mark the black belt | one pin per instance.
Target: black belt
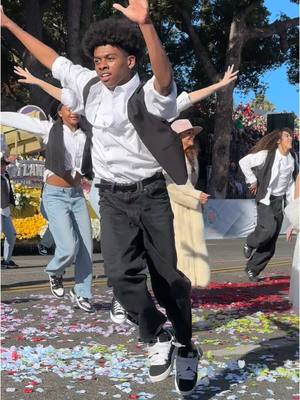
(131, 187)
(272, 197)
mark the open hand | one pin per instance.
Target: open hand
(137, 11)
(25, 74)
(229, 76)
(253, 188)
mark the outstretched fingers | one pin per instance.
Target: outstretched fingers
(27, 77)
(137, 11)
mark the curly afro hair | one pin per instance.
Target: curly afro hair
(118, 32)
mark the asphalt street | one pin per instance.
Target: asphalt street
(247, 331)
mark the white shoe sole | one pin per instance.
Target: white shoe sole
(76, 303)
(185, 393)
(167, 372)
(117, 320)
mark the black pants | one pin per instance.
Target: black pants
(138, 225)
(264, 237)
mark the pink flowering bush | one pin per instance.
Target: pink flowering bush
(246, 118)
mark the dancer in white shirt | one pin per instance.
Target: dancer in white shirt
(130, 146)
(63, 200)
(184, 101)
(270, 171)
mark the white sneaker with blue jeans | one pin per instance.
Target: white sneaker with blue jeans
(70, 225)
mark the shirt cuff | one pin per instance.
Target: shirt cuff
(58, 66)
(250, 181)
(162, 106)
(183, 102)
(171, 96)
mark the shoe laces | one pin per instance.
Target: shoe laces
(158, 353)
(84, 299)
(117, 308)
(56, 281)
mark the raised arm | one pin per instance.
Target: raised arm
(44, 54)
(65, 96)
(138, 12)
(28, 78)
(24, 122)
(201, 94)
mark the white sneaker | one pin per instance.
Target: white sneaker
(81, 302)
(56, 285)
(161, 355)
(117, 312)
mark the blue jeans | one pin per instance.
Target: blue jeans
(47, 239)
(70, 225)
(10, 237)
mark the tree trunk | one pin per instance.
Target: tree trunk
(221, 146)
(223, 116)
(73, 28)
(35, 27)
(86, 16)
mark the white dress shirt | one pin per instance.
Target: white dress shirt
(74, 141)
(281, 181)
(118, 153)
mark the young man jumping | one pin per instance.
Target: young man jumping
(130, 145)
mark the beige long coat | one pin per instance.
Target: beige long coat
(189, 229)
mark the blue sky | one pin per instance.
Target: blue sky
(283, 95)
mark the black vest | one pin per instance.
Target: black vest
(55, 148)
(156, 134)
(263, 174)
(7, 194)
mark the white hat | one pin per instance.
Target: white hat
(183, 125)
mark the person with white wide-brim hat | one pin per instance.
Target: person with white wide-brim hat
(187, 203)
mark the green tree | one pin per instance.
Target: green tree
(209, 35)
(262, 103)
(202, 38)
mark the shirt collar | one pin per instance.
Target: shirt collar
(69, 131)
(280, 156)
(288, 157)
(128, 87)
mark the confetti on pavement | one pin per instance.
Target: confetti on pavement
(45, 335)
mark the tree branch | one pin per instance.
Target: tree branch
(200, 50)
(243, 13)
(277, 27)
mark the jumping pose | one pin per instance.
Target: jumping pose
(130, 145)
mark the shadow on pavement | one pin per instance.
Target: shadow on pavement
(270, 355)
